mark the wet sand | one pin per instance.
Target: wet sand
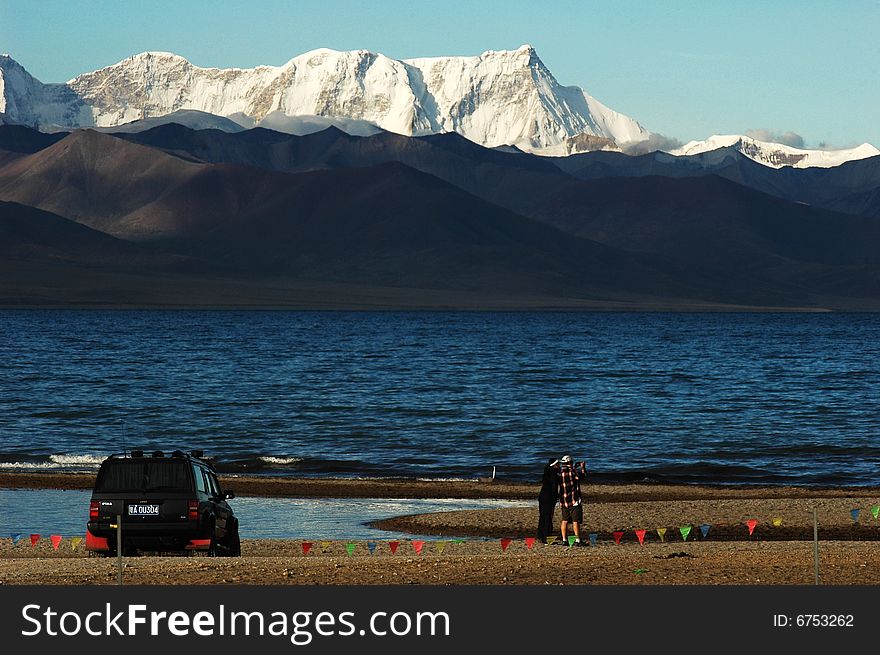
(780, 553)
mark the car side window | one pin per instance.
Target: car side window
(201, 484)
(215, 483)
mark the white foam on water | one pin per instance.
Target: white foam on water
(57, 462)
(270, 459)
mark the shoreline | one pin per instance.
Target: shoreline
(479, 488)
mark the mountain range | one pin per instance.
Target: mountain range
(171, 215)
(496, 99)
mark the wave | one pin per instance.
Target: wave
(274, 459)
(54, 462)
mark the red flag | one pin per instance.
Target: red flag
(417, 544)
(307, 546)
(751, 523)
(393, 546)
(34, 539)
(530, 541)
(505, 543)
(641, 536)
(56, 540)
(618, 535)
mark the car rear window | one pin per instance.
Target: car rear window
(144, 476)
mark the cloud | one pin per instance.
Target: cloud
(652, 143)
(792, 139)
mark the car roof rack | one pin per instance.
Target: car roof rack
(138, 453)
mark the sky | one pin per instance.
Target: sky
(800, 70)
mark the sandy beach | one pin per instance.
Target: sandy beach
(779, 551)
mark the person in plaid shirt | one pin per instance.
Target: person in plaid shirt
(570, 477)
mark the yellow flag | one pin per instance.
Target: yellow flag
(662, 533)
(777, 522)
(325, 546)
(550, 540)
(74, 542)
(440, 546)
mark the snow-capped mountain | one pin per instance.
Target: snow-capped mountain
(497, 98)
(777, 155)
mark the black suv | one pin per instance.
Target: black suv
(165, 503)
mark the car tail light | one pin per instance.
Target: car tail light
(93, 510)
(193, 513)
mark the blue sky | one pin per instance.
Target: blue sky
(684, 69)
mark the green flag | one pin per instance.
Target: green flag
(571, 539)
(349, 548)
(458, 541)
(875, 510)
(685, 531)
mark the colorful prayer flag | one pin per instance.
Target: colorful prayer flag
(854, 513)
(640, 535)
(16, 537)
(306, 546)
(417, 544)
(751, 523)
(704, 529)
(458, 541)
(571, 540)
(685, 531)
(875, 511)
(662, 533)
(551, 540)
(530, 541)
(75, 542)
(56, 540)
(325, 546)
(34, 539)
(618, 535)
(393, 546)
(441, 546)
(505, 542)
(349, 548)
(594, 537)
(777, 522)
(371, 546)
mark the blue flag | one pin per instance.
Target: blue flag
(15, 537)
(855, 514)
(371, 545)
(705, 529)
(593, 538)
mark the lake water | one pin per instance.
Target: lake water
(52, 511)
(730, 398)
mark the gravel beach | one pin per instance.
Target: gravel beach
(779, 550)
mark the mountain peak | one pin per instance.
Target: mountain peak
(777, 155)
(156, 54)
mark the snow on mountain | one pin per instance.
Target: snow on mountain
(777, 155)
(497, 98)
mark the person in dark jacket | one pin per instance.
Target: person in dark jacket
(547, 500)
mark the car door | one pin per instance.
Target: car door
(222, 511)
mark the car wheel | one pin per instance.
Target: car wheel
(234, 549)
(212, 549)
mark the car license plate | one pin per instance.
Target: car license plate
(143, 510)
